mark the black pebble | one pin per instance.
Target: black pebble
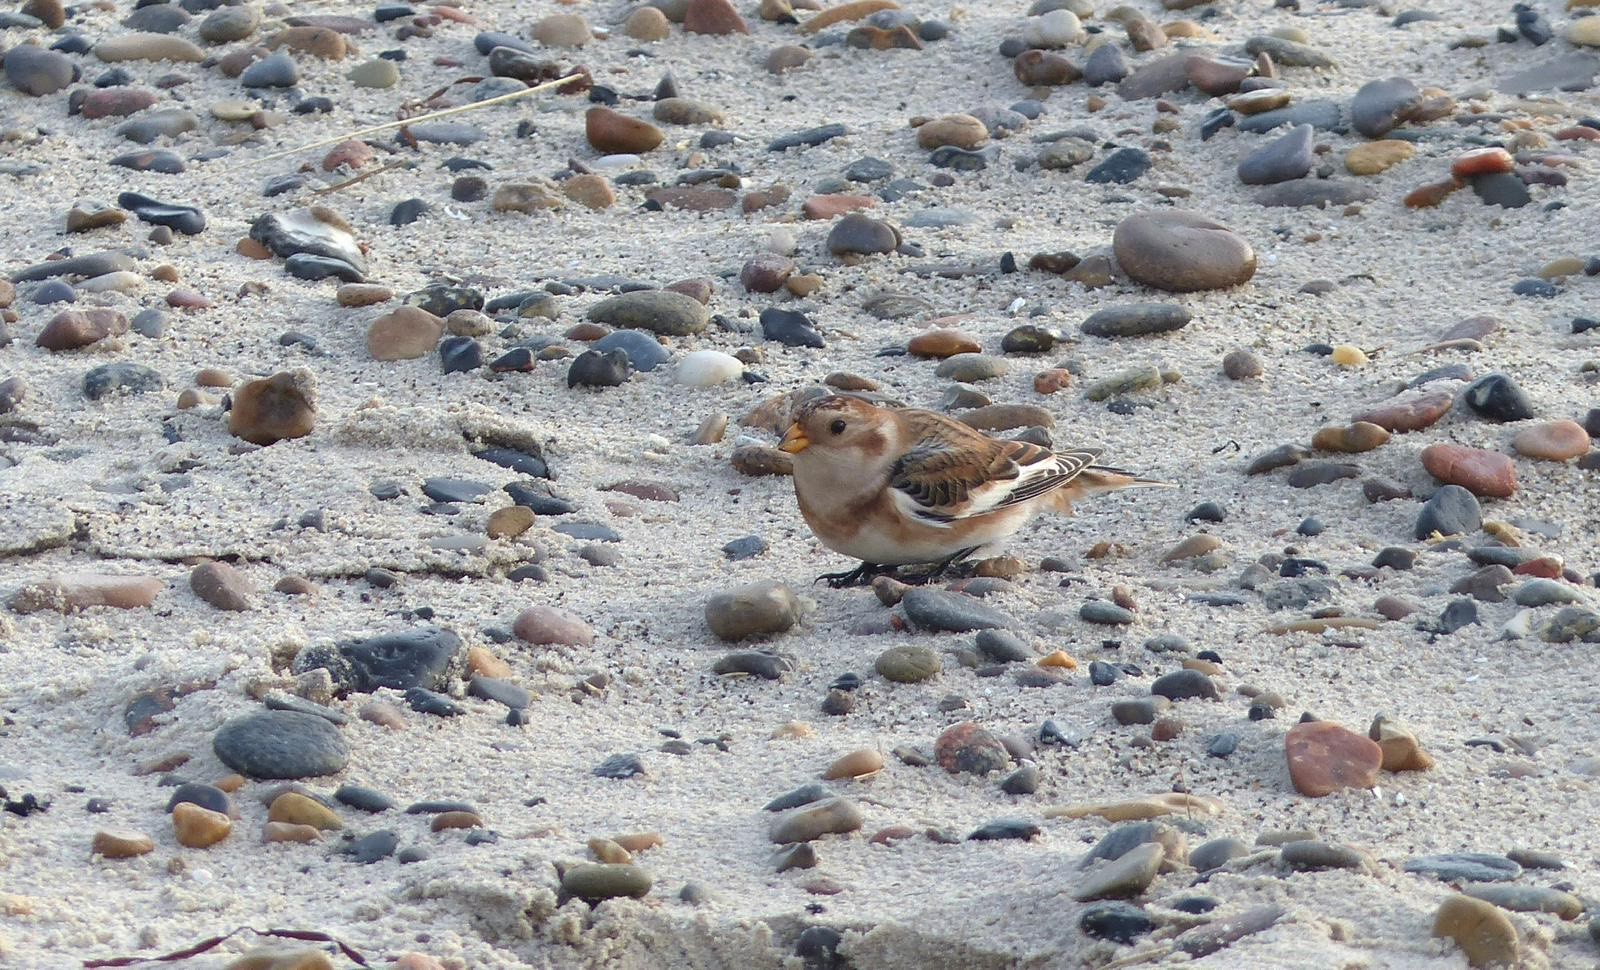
(619, 766)
(1206, 512)
(594, 369)
(407, 212)
(363, 799)
(457, 355)
(425, 701)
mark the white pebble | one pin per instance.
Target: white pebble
(780, 240)
(614, 161)
(1058, 28)
(704, 368)
(655, 442)
(121, 281)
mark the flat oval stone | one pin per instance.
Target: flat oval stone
(1483, 473)
(1411, 412)
(1284, 158)
(594, 882)
(857, 234)
(1379, 106)
(281, 744)
(659, 311)
(1465, 866)
(933, 609)
(756, 609)
(1552, 441)
(831, 816)
(1182, 251)
(1324, 758)
(1452, 510)
(907, 664)
(1136, 320)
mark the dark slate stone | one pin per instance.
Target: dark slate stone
(1184, 685)
(589, 531)
(1498, 398)
(521, 462)
(790, 328)
(281, 744)
(122, 377)
(208, 797)
(363, 799)
(1136, 320)
(408, 211)
(933, 609)
(1450, 511)
(1115, 920)
(747, 547)
(310, 266)
(619, 766)
(425, 701)
(1322, 115)
(1005, 828)
(804, 795)
(644, 351)
(1121, 167)
(499, 691)
(399, 661)
(811, 136)
(961, 159)
(373, 846)
(1465, 866)
(595, 369)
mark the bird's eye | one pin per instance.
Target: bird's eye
(837, 427)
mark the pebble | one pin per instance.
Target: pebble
(756, 609)
(645, 353)
(1117, 921)
(281, 744)
(1373, 158)
(547, 625)
(1182, 252)
(1136, 320)
(121, 843)
(404, 333)
(1123, 877)
(595, 882)
(1452, 510)
(1185, 685)
(1324, 758)
(1217, 853)
(660, 311)
(221, 585)
(76, 329)
(1287, 157)
(121, 377)
(907, 664)
(1311, 855)
(790, 328)
(275, 408)
(1482, 931)
(1483, 473)
(936, 610)
(1410, 412)
(1528, 899)
(830, 816)
(1498, 398)
(38, 72)
(858, 234)
(297, 809)
(1552, 441)
(199, 828)
(377, 73)
(611, 132)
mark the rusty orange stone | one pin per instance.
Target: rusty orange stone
(833, 206)
(1487, 474)
(1430, 195)
(1324, 758)
(943, 343)
(1412, 413)
(1482, 161)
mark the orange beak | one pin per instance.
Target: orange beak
(794, 440)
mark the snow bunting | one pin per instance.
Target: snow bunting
(894, 487)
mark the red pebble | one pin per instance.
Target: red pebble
(1545, 567)
(1578, 133)
(1430, 195)
(1481, 161)
(188, 299)
(1483, 473)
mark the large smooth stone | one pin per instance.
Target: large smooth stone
(1324, 758)
(659, 311)
(1182, 252)
(1483, 473)
(281, 744)
(1285, 157)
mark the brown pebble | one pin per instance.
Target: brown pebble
(1324, 758)
(76, 329)
(612, 132)
(295, 586)
(383, 713)
(300, 810)
(856, 764)
(1358, 437)
(1552, 441)
(1166, 729)
(1239, 365)
(356, 294)
(510, 522)
(275, 408)
(637, 842)
(484, 663)
(455, 820)
(121, 843)
(1483, 473)
(404, 333)
(199, 828)
(221, 585)
(715, 17)
(290, 832)
(963, 131)
(782, 60)
(942, 343)
(591, 191)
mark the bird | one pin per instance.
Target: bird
(901, 486)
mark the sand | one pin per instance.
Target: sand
(109, 493)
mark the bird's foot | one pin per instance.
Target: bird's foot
(859, 576)
(938, 570)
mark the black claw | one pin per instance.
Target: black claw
(859, 576)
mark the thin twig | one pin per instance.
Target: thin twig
(444, 113)
(403, 163)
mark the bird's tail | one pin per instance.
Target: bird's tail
(1097, 480)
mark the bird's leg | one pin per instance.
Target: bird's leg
(938, 569)
(859, 576)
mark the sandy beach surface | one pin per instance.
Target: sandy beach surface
(589, 617)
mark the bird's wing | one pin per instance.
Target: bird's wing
(948, 476)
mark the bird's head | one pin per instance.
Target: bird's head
(839, 428)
